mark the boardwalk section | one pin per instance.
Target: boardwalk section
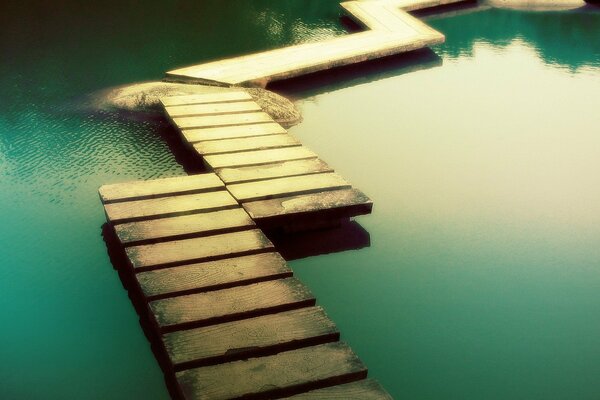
(279, 182)
(391, 30)
(230, 319)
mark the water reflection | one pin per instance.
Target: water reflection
(483, 264)
(349, 235)
(570, 39)
(566, 40)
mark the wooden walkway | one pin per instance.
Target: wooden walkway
(390, 30)
(232, 320)
(279, 182)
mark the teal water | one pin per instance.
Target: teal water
(483, 273)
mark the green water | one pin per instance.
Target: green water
(482, 276)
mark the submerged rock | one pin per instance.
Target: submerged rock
(144, 98)
(537, 5)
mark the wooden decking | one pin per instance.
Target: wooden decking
(390, 30)
(230, 318)
(279, 182)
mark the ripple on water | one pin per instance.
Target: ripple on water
(65, 151)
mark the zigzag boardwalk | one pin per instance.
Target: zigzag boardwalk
(232, 320)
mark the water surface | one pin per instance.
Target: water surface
(482, 276)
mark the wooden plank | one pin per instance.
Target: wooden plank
(218, 96)
(366, 389)
(285, 373)
(222, 120)
(274, 170)
(249, 337)
(232, 132)
(139, 190)
(288, 186)
(168, 206)
(212, 275)
(183, 226)
(259, 157)
(343, 203)
(231, 304)
(245, 144)
(184, 251)
(212, 109)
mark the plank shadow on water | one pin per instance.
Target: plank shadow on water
(348, 235)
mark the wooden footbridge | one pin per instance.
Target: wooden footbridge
(390, 30)
(231, 320)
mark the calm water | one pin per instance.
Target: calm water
(483, 273)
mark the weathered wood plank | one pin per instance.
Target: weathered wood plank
(222, 120)
(336, 203)
(232, 132)
(288, 186)
(130, 211)
(274, 170)
(183, 226)
(212, 109)
(218, 96)
(366, 389)
(249, 337)
(259, 157)
(212, 275)
(138, 190)
(231, 304)
(285, 373)
(208, 248)
(245, 144)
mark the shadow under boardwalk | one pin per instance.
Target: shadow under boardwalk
(348, 235)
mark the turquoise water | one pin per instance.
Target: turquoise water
(482, 276)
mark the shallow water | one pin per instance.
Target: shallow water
(482, 276)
